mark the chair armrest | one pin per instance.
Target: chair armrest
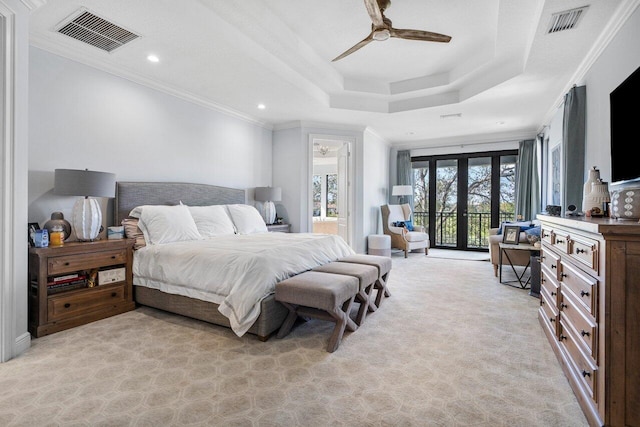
(397, 230)
(418, 228)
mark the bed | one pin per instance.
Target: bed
(227, 279)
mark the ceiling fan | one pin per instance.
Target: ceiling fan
(382, 29)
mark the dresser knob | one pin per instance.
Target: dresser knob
(563, 275)
(66, 263)
(67, 305)
(551, 319)
(562, 337)
(113, 294)
(563, 305)
(553, 294)
(559, 241)
(553, 266)
(586, 374)
(584, 333)
(580, 251)
(584, 293)
(113, 257)
(541, 302)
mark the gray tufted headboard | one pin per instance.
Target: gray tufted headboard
(132, 194)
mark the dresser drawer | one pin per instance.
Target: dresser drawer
(581, 364)
(549, 311)
(584, 327)
(546, 235)
(560, 241)
(549, 283)
(585, 251)
(73, 303)
(551, 261)
(72, 263)
(581, 285)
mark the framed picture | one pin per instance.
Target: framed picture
(33, 226)
(511, 234)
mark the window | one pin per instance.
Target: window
(332, 195)
(317, 195)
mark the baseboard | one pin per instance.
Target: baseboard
(22, 344)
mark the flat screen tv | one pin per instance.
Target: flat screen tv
(625, 132)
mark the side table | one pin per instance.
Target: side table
(519, 276)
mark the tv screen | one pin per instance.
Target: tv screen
(624, 130)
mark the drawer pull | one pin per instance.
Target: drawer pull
(584, 293)
(553, 294)
(580, 251)
(562, 337)
(67, 305)
(113, 257)
(553, 266)
(563, 275)
(586, 374)
(563, 305)
(558, 241)
(545, 235)
(584, 333)
(66, 263)
(113, 294)
(551, 319)
(541, 302)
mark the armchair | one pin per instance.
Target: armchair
(401, 238)
(518, 258)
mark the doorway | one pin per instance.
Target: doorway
(458, 198)
(330, 186)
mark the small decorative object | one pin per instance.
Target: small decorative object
(553, 210)
(594, 177)
(33, 227)
(532, 239)
(56, 235)
(87, 214)
(599, 195)
(625, 204)
(268, 195)
(115, 232)
(57, 219)
(511, 234)
(41, 238)
(91, 281)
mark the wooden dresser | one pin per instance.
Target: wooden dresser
(590, 312)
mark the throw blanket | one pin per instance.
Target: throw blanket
(235, 271)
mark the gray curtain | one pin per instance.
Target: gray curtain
(573, 146)
(527, 181)
(405, 175)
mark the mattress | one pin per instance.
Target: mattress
(234, 271)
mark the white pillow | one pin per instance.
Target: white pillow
(212, 220)
(166, 224)
(247, 219)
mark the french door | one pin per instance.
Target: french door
(458, 198)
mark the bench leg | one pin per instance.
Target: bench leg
(342, 322)
(364, 297)
(383, 290)
(288, 322)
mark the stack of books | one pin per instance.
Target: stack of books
(66, 283)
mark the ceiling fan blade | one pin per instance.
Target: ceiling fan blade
(357, 46)
(419, 35)
(374, 12)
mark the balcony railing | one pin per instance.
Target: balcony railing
(446, 226)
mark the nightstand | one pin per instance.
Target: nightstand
(60, 296)
(279, 228)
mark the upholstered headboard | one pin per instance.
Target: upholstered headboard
(132, 194)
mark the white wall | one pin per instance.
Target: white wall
(375, 175)
(620, 58)
(81, 117)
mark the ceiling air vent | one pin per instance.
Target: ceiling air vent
(566, 20)
(96, 31)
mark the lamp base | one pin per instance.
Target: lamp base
(269, 212)
(86, 219)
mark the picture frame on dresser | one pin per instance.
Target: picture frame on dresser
(511, 234)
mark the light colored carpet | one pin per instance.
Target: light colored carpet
(451, 347)
(455, 254)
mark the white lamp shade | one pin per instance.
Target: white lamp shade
(86, 218)
(402, 190)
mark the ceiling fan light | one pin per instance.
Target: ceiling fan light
(381, 35)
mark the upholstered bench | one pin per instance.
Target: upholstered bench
(323, 296)
(384, 268)
(366, 275)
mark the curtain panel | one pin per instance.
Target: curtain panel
(405, 173)
(573, 146)
(527, 181)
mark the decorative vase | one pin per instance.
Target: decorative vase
(599, 195)
(594, 177)
(625, 204)
(57, 220)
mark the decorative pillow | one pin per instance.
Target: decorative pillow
(166, 224)
(132, 231)
(247, 219)
(409, 225)
(212, 220)
(524, 225)
(533, 231)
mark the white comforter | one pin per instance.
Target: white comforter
(235, 271)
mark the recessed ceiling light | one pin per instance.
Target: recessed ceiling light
(153, 58)
(261, 106)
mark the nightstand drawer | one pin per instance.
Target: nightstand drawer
(71, 263)
(66, 306)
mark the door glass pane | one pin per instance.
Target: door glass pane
(446, 202)
(421, 194)
(479, 202)
(332, 195)
(507, 188)
(317, 195)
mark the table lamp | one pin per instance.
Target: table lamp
(401, 191)
(86, 218)
(268, 195)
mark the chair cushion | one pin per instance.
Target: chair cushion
(416, 236)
